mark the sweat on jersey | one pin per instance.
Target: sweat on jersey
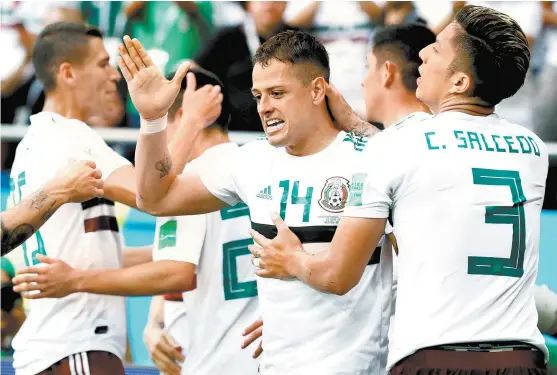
(466, 195)
(225, 300)
(84, 235)
(306, 331)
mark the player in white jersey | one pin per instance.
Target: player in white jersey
(465, 200)
(213, 245)
(302, 172)
(76, 183)
(83, 332)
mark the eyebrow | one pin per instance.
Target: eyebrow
(268, 88)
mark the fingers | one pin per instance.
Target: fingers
(191, 82)
(260, 239)
(145, 58)
(130, 65)
(28, 278)
(252, 327)
(124, 68)
(32, 269)
(279, 223)
(258, 351)
(132, 52)
(262, 272)
(97, 173)
(45, 259)
(165, 364)
(90, 163)
(23, 285)
(173, 350)
(181, 73)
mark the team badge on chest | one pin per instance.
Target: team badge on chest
(334, 194)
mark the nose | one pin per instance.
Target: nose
(115, 74)
(264, 107)
(423, 54)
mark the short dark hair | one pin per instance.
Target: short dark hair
(297, 48)
(204, 77)
(494, 50)
(58, 43)
(402, 44)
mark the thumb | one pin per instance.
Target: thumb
(90, 163)
(181, 73)
(45, 259)
(191, 82)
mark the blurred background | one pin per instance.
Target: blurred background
(221, 37)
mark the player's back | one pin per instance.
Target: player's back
(83, 235)
(466, 214)
(225, 300)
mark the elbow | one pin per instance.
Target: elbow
(183, 281)
(152, 208)
(339, 284)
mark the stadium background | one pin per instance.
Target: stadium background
(188, 31)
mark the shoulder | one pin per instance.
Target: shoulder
(258, 145)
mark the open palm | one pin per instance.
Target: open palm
(151, 93)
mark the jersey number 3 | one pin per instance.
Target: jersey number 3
(513, 266)
(39, 248)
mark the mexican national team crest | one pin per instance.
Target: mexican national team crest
(334, 194)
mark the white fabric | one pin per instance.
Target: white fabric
(56, 328)
(225, 300)
(551, 42)
(176, 323)
(441, 221)
(307, 331)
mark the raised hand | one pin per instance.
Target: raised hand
(151, 93)
(277, 257)
(203, 104)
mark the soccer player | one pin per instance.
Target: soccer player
(474, 180)
(83, 332)
(208, 251)
(76, 183)
(302, 173)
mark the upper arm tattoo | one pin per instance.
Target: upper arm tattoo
(164, 166)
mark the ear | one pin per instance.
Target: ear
(318, 90)
(388, 73)
(66, 74)
(461, 83)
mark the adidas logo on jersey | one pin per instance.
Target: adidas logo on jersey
(265, 193)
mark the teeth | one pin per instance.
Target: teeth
(273, 122)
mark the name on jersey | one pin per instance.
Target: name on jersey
(512, 144)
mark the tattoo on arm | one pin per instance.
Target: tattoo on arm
(39, 199)
(13, 238)
(364, 128)
(49, 212)
(164, 166)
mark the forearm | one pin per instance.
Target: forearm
(165, 276)
(134, 256)
(315, 270)
(156, 311)
(22, 221)
(181, 144)
(155, 172)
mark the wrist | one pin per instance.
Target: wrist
(77, 280)
(58, 193)
(152, 126)
(296, 263)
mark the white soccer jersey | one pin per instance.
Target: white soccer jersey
(306, 331)
(83, 235)
(466, 196)
(225, 300)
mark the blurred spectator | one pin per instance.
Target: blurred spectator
(170, 31)
(544, 116)
(345, 29)
(400, 12)
(229, 54)
(227, 13)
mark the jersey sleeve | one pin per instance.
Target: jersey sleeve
(217, 169)
(91, 146)
(180, 238)
(371, 190)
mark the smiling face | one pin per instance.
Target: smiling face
(436, 79)
(284, 102)
(95, 79)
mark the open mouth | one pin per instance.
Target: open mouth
(274, 125)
